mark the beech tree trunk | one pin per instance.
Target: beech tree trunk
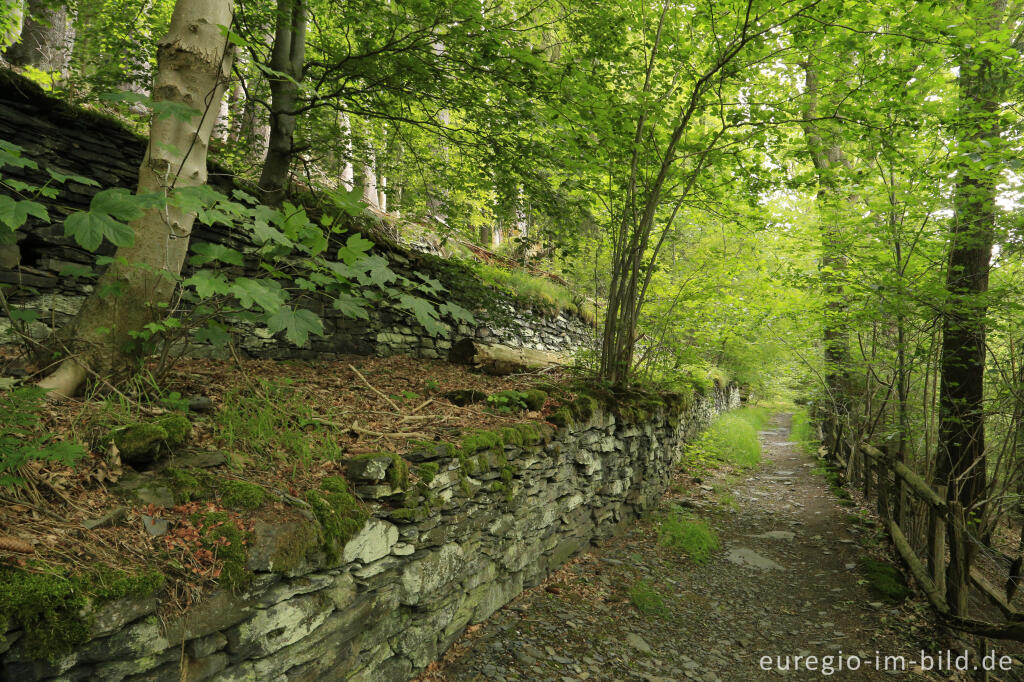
(47, 36)
(288, 57)
(193, 69)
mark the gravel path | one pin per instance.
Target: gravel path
(786, 580)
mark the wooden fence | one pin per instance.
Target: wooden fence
(945, 580)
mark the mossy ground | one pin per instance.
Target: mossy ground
(885, 579)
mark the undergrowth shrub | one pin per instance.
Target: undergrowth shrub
(732, 439)
(802, 431)
(682, 532)
(23, 438)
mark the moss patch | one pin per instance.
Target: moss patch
(137, 440)
(219, 534)
(339, 513)
(188, 485)
(56, 609)
(241, 494)
(884, 579)
(427, 471)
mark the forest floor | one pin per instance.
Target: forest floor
(787, 580)
(283, 426)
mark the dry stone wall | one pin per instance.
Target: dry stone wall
(76, 142)
(412, 580)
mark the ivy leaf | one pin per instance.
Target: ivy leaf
(355, 247)
(262, 293)
(14, 212)
(206, 253)
(424, 310)
(208, 283)
(297, 324)
(350, 306)
(10, 155)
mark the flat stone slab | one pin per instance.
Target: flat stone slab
(777, 535)
(748, 557)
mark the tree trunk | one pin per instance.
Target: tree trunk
(500, 360)
(47, 36)
(288, 57)
(193, 69)
(961, 463)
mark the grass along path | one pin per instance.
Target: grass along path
(787, 578)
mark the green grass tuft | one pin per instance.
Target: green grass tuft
(647, 600)
(803, 432)
(685, 534)
(732, 438)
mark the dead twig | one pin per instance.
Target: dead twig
(355, 428)
(374, 389)
(421, 406)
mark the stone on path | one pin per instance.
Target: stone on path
(748, 557)
(637, 642)
(777, 535)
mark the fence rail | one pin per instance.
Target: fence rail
(945, 583)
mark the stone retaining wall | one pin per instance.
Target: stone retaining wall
(501, 520)
(76, 142)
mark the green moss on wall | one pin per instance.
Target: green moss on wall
(56, 609)
(339, 513)
(242, 494)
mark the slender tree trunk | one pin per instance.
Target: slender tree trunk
(827, 158)
(193, 69)
(288, 57)
(47, 36)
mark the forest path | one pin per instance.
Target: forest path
(786, 581)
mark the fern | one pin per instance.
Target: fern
(22, 439)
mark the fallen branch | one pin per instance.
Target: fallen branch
(374, 389)
(379, 434)
(422, 405)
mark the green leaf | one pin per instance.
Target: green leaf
(80, 179)
(24, 315)
(457, 312)
(119, 204)
(168, 109)
(213, 333)
(297, 324)
(206, 253)
(72, 270)
(14, 212)
(266, 294)
(424, 310)
(90, 228)
(350, 306)
(208, 283)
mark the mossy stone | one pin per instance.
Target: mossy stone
(56, 609)
(219, 534)
(534, 398)
(339, 513)
(242, 494)
(139, 444)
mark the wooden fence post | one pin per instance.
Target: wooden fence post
(882, 471)
(937, 544)
(959, 563)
